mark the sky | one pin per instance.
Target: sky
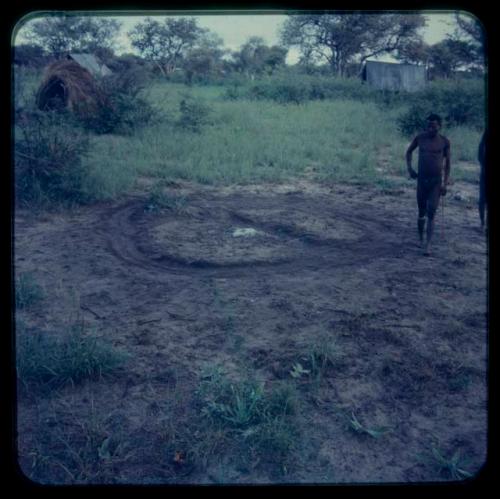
(236, 29)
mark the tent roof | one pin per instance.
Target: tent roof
(91, 63)
(390, 64)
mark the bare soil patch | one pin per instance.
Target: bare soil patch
(178, 290)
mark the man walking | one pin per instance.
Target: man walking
(433, 158)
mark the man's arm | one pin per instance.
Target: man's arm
(409, 151)
(481, 150)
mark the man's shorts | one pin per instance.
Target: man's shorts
(428, 193)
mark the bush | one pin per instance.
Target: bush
(49, 149)
(288, 87)
(459, 102)
(284, 92)
(413, 120)
(195, 114)
(124, 109)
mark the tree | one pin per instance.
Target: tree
(205, 58)
(127, 62)
(256, 58)
(469, 29)
(29, 55)
(340, 39)
(449, 55)
(60, 34)
(165, 43)
(274, 57)
(414, 52)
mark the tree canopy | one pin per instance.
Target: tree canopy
(165, 43)
(58, 35)
(256, 58)
(464, 49)
(341, 39)
(205, 57)
(470, 30)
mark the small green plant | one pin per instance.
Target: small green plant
(298, 371)
(322, 353)
(258, 421)
(28, 291)
(452, 467)
(359, 428)
(237, 404)
(243, 405)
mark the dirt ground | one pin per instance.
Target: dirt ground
(337, 260)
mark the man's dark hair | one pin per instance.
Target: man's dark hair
(434, 117)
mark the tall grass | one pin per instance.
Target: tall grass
(345, 135)
(47, 361)
(464, 143)
(25, 84)
(28, 291)
(260, 141)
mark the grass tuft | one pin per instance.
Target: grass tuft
(46, 360)
(259, 420)
(28, 291)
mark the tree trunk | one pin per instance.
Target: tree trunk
(160, 67)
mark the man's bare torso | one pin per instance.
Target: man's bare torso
(431, 153)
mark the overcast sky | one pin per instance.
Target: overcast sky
(236, 29)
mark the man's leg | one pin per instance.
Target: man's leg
(430, 232)
(421, 227)
(432, 206)
(422, 209)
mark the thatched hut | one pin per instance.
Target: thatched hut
(68, 85)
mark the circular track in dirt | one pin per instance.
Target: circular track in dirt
(232, 236)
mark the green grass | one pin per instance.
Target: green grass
(28, 291)
(464, 143)
(255, 420)
(110, 166)
(46, 360)
(246, 141)
(92, 449)
(322, 354)
(262, 141)
(159, 201)
(464, 147)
